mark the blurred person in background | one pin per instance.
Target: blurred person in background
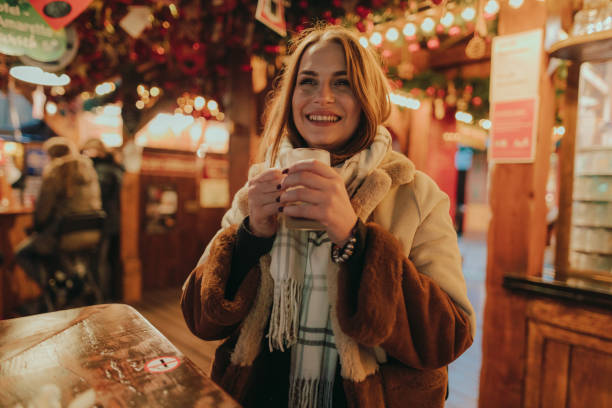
(110, 177)
(69, 186)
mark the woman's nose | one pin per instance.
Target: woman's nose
(326, 94)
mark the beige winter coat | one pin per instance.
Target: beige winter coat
(410, 318)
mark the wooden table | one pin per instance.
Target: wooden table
(98, 356)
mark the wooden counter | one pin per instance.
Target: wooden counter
(103, 355)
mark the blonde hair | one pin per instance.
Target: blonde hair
(367, 81)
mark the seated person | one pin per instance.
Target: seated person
(69, 186)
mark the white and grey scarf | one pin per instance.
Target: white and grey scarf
(300, 318)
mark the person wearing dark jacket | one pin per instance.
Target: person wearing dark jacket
(110, 177)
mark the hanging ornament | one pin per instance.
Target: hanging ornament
(437, 2)
(477, 46)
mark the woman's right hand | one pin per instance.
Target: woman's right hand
(263, 196)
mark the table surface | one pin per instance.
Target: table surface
(98, 356)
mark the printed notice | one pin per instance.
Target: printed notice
(515, 76)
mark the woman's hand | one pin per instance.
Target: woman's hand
(263, 197)
(322, 196)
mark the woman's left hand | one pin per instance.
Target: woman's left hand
(322, 196)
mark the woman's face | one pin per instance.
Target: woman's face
(325, 110)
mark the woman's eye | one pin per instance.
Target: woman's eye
(342, 82)
(306, 81)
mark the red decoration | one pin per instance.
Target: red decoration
(477, 101)
(430, 91)
(59, 14)
(433, 43)
(437, 2)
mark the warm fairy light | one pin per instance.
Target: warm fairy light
(154, 91)
(464, 117)
(112, 110)
(454, 30)
(414, 47)
(433, 43)
(58, 90)
(448, 19)
(85, 95)
(428, 24)
(485, 123)
(173, 10)
(515, 3)
(376, 39)
(212, 105)
(51, 108)
(198, 103)
(392, 34)
(220, 116)
(188, 109)
(492, 7)
(140, 104)
(559, 130)
(105, 88)
(363, 41)
(140, 89)
(409, 30)
(10, 147)
(468, 13)
(166, 25)
(404, 101)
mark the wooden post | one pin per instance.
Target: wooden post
(516, 237)
(241, 111)
(130, 228)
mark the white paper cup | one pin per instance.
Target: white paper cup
(290, 158)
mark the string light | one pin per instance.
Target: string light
(363, 41)
(448, 19)
(392, 34)
(485, 123)
(198, 103)
(376, 39)
(515, 3)
(464, 117)
(212, 105)
(51, 108)
(492, 7)
(404, 101)
(409, 30)
(428, 24)
(468, 13)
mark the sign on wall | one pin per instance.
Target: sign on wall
(24, 32)
(514, 94)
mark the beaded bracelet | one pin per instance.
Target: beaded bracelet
(340, 255)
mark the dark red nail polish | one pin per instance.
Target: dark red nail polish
(278, 187)
(280, 209)
(285, 171)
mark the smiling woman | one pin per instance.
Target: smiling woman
(367, 308)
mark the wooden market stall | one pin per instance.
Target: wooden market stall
(546, 337)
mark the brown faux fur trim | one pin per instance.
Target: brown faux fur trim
(207, 312)
(367, 393)
(400, 309)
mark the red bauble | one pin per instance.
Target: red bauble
(477, 101)
(437, 2)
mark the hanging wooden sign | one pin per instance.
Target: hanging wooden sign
(24, 32)
(272, 14)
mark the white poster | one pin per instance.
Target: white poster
(514, 93)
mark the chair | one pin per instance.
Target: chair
(73, 272)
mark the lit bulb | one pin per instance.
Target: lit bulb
(51, 108)
(492, 7)
(392, 34)
(212, 105)
(363, 41)
(469, 13)
(515, 3)
(376, 39)
(428, 24)
(154, 91)
(198, 102)
(447, 19)
(409, 30)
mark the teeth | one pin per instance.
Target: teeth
(323, 118)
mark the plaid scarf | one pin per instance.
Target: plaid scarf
(300, 266)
